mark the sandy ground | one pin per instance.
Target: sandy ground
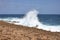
(19, 32)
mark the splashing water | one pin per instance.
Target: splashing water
(31, 20)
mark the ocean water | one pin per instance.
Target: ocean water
(49, 22)
(46, 19)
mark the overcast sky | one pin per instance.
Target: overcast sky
(23, 6)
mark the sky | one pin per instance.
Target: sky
(23, 6)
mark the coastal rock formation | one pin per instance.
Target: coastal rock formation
(19, 32)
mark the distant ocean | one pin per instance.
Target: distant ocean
(46, 19)
(49, 22)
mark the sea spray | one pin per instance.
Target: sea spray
(31, 20)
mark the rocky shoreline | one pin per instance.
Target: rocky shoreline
(19, 32)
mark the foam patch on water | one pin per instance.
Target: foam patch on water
(31, 20)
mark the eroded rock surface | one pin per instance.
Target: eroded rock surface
(19, 32)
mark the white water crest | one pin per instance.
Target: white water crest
(31, 20)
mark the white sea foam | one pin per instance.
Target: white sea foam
(31, 20)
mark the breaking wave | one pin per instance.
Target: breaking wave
(31, 20)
